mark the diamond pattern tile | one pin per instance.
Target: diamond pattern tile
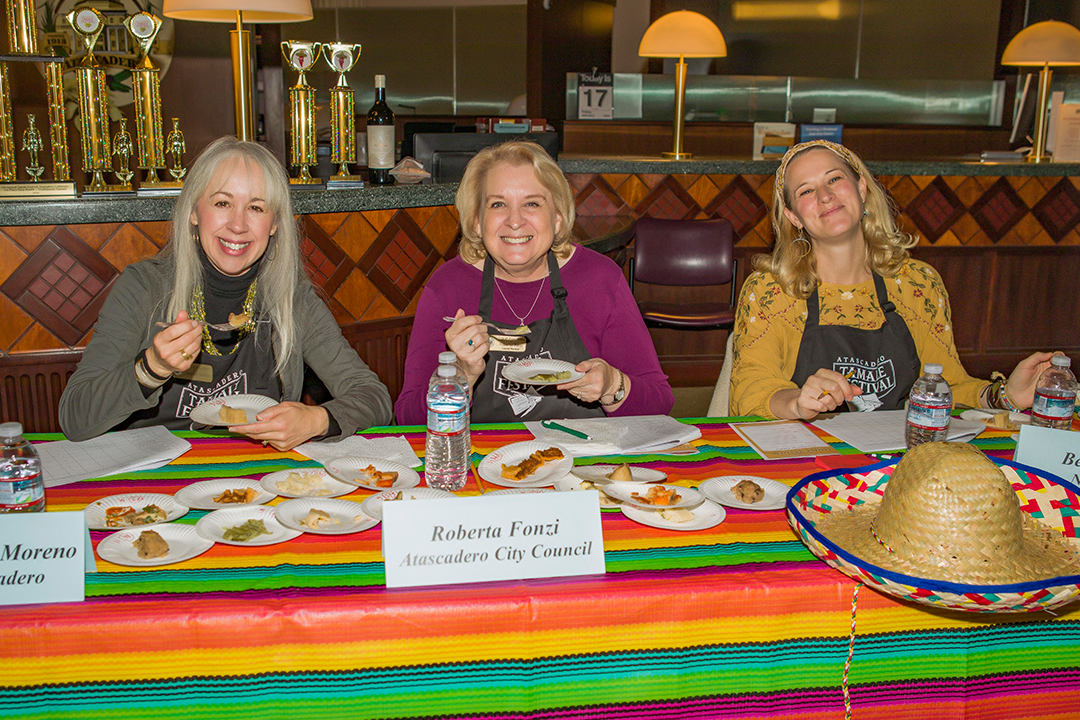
(740, 204)
(326, 264)
(1059, 210)
(62, 285)
(934, 209)
(668, 200)
(998, 210)
(400, 260)
(598, 198)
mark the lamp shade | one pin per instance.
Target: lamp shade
(254, 11)
(683, 33)
(1045, 43)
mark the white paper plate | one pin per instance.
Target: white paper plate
(706, 515)
(328, 486)
(985, 416)
(349, 515)
(207, 413)
(625, 492)
(522, 370)
(95, 511)
(213, 526)
(373, 505)
(184, 544)
(490, 468)
(718, 489)
(572, 483)
(348, 470)
(599, 473)
(518, 491)
(201, 495)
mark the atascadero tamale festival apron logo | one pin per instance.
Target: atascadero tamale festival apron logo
(116, 50)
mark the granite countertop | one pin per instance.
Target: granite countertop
(87, 210)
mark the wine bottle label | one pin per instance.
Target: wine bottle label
(380, 146)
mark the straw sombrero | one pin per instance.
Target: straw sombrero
(949, 527)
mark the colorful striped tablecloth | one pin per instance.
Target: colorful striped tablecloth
(739, 621)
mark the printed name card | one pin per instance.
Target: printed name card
(1055, 451)
(502, 537)
(43, 558)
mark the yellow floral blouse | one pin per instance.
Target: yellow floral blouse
(769, 326)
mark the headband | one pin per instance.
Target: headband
(839, 150)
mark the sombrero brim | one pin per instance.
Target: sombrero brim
(827, 491)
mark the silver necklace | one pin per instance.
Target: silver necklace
(521, 318)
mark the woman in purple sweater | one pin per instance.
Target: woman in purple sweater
(518, 266)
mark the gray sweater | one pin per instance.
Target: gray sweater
(103, 392)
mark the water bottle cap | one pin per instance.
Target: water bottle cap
(10, 430)
(1060, 361)
(932, 368)
(447, 371)
(447, 358)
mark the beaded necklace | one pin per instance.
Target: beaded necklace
(198, 314)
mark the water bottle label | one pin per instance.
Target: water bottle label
(933, 416)
(447, 422)
(1048, 407)
(14, 494)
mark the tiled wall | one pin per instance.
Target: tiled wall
(372, 265)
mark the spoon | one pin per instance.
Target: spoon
(523, 330)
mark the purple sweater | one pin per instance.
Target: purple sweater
(604, 312)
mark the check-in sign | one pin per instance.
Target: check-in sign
(504, 537)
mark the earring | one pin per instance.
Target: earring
(804, 239)
(271, 249)
(865, 213)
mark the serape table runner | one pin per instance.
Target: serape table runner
(738, 621)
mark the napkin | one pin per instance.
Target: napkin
(395, 449)
(604, 436)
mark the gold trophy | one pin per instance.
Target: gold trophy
(22, 39)
(122, 148)
(32, 143)
(301, 57)
(54, 82)
(341, 58)
(146, 88)
(177, 148)
(88, 23)
(9, 171)
(22, 27)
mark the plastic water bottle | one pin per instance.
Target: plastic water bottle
(448, 449)
(22, 489)
(449, 357)
(1055, 395)
(929, 406)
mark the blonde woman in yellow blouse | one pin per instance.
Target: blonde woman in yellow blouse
(839, 312)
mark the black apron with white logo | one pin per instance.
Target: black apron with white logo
(496, 399)
(884, 361)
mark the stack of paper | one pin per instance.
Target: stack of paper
(392, 448)
(632, 435)
(66, 462)
(884, 430)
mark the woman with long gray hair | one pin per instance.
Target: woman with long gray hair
(234, 262)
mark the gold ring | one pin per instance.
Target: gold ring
(183, 354)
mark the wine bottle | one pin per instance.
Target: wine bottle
(381, 140)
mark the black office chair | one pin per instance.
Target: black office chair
(685, 253)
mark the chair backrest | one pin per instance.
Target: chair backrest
(720, 405)
(683, 252)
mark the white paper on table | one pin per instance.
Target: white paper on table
(782, 439)
(66, 462)
(629, 435)
(884, 430)
(393, 448)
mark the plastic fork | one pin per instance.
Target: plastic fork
(224, 327)
(523, 330)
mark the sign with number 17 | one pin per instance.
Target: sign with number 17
(595, 98)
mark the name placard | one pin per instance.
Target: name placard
(503, 537)
(1055, 451)
(43, 558)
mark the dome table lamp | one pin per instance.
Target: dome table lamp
(682, 34)
(1045, 44)
(241, 11)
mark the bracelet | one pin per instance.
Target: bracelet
(997, 396)
(147, 377)
(618, 395)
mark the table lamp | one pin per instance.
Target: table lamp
(682, 34)
(241, 11)
(1044, 45)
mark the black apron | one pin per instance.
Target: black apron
(884, 361)
(496, 399)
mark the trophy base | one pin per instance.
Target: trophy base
(36, 190)
(159, 188)
(344, 182)
(113, 190)
(305, 181)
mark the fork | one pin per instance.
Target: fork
(524, 330)
(224, 327)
